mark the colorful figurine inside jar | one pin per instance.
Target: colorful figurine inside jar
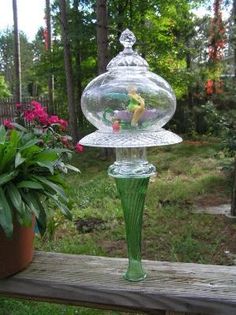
(136, 106)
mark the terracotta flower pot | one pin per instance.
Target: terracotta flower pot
(16, 253)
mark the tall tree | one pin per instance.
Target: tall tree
(217, 35)
(102, 46)
(77, 17)
(7, 67)
(233, 200)
(7, 63)
(48, 47)
(234, 22)
(68, 70)
(17, 54)
(102, 35)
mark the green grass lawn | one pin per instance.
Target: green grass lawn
(189, 175)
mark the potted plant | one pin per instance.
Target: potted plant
(31, 172)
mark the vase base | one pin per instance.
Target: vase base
(135, 271)
(131, 278)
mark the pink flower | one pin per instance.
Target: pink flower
(7, 123)
(53, 119)
(29, 115)
(37, 111)
(63, 123)
(65, 141)
(43, 117)
(37, 105)
(79, 148)
(18, 106)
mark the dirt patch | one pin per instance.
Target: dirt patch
(89, 225)
(211, 200)
(196, 143)
(115, 248)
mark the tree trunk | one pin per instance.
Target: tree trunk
(49, 49)
(102, 48)
(68, 70)
(17, 59)
(102, 35)
(188, 66)
(233, 201)
(234, 43)
(78, 75)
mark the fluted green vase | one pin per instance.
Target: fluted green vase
(132, 193)
(132, 172)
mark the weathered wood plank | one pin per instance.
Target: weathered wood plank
(97, 282)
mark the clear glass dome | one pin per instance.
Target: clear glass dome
(128, 104)
(128, 97)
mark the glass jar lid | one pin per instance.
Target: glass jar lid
(127, 57)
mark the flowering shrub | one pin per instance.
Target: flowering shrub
(214, 87)
(34, 158)
(49, 128)
(8, 124)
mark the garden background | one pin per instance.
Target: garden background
(197, 56)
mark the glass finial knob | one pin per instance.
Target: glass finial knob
(127, 38)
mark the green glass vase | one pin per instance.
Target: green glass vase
(132, 193)
(132, 172)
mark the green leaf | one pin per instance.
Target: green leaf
(47, 155)
(49, 165)
(8, 157)
(5, 215)
(23, 213)
(19, 159)
(38, 131)
(2, 147)
(72, 168)
(32, 202)
(6, 177)
(15, 137)
(30, 152)
(61, 166)
(14, 196)
(17, 126)
(29, 144)
(42, 222)
(25, 216)
(42, 216)
(58, 179)
(2, 134)
(56, 188)
(64, 209)
(29, 184)
(9, 150)
(62, 150)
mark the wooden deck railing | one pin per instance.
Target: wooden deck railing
(170, 288)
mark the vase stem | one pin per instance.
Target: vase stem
(132, 192)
